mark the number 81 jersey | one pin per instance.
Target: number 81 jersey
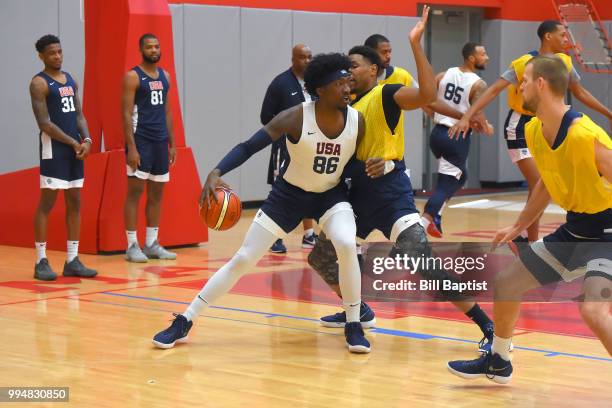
(149, 116)
(454, 90)
(316, 162)
(60, 105)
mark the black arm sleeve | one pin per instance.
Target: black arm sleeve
(243, 151)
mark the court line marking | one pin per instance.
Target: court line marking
(378, 330)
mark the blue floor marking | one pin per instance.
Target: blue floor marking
(379, 330)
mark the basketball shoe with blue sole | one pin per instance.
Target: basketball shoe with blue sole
(489, 366)
(355, 339)
(176, 333)
(338, 320)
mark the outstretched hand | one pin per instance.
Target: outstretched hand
(417, 31)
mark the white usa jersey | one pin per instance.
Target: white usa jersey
(315, 161)
(454, 90)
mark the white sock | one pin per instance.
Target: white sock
(73, 250)
(501, 346)
(132, 238)
(309, 232)
(255, 245)
(151, 236)
(341, 230)
(352, 311)
(425, 222)
(41, 250)
(195, 308)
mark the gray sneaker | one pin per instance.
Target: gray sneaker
(43, 271)
(135, 254)
(76, 268)
(157, 251)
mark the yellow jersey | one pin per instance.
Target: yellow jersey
(379, 139)
(398, 76)
(568, 169)
(515, 98)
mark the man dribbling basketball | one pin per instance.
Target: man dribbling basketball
(322, 136)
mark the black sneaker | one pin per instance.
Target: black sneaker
(43, 271)
(338, 320)
(490, 366)
(76, 268)
(309, 241)
(177, 332)
(278, 247)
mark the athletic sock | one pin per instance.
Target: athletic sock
(478, 316)
(151, 236)
(73, 250)
(132, 238)
(41, 250)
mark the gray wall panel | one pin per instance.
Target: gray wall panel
(397, 33)
(265, 52)
(72, 35)
(21, 24)
(179, 43)
(212, 92)
(320, 31)
(357, 27)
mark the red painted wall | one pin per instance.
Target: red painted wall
(529, 10)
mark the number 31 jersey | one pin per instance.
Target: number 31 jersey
(454, 90)
(62, 112)
(149, 117)
(315, 161)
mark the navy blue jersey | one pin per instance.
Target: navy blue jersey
(149, 116)
(62, 112)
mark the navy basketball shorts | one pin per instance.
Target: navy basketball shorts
(154, 161)
(514, 133)
(385, 203)
(580, 247)
(452, 154)
(287, 205)
(61, 173)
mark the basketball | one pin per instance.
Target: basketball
(223, 214)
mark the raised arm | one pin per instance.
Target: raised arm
(130, 85)
(38, 93)
(413, 98)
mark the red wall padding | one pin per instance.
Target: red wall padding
(111, 48)
(180, 221)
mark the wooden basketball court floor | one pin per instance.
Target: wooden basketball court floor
(262, 346)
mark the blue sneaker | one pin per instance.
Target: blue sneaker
(338, 320)
(437, 220)
(278, 247)
(484, 345)
(309, 241)
(177, 332)
(355, 339)
(491, 366)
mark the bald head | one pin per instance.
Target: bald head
(300, 58)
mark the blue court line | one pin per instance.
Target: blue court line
(380, 330)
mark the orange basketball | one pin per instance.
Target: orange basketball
(224, 213)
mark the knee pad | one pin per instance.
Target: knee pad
(324, 261)
(413, 242)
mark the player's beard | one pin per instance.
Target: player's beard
(531, 105)
(151, 60)
(480, 67)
